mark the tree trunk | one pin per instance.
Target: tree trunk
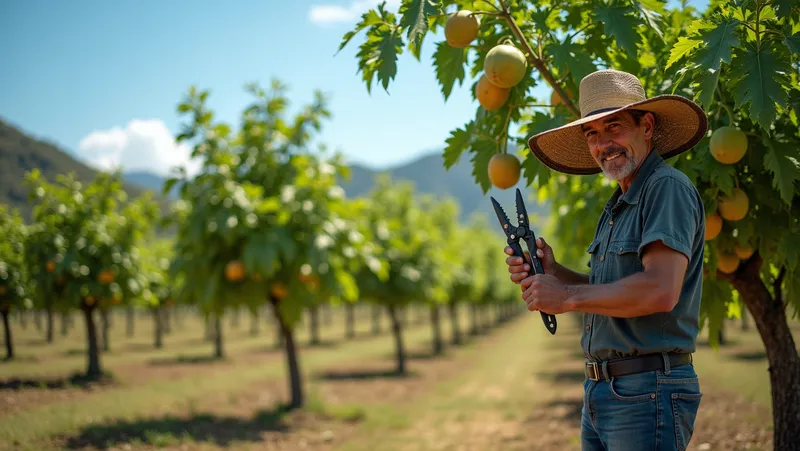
(9, 343)
(295, 382)
(106, 327)
(157, 326)
(473, 319)
(93, 370)
(314, 325)
(50, 324)
(453, 308)
(769, 315)
(438, 347)
(351, 321)
(130, 317)
(397, 331)
(376, 320)
(218, 352)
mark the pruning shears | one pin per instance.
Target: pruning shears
(514, 233)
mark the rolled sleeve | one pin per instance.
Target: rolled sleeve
(671, 214)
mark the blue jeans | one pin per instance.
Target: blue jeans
(643, 411)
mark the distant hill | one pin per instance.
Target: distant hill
(20, 153)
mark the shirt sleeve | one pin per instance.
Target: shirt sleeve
(671, 213)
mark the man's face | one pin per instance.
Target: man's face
(618, 144)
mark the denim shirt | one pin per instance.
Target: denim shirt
(660, 204)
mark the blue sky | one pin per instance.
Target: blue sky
(103, 78)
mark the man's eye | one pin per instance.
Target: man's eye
(590, 133)
(613, 126)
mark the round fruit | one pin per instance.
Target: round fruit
(234, 271)
(461, 28)
(728, 145)
(51, 266)
(744, 252)
(735, 206)
(505, 65)
(727, 263)
(89, 301)
(106, 277)
(490, 96)
(278, 290)
(504, 170)
(713, 226)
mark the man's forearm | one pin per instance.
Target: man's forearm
(637, 295)
(569, 276)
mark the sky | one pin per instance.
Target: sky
(103, 79)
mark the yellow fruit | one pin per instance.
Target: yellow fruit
(234, 271)
(713, 226)
(504, 170)
(728, 145)
(51, 266)
(505, 65)
(89, 301)
(735, 206)
(727, 263)
(743, 252)
(490, 96)
(106, 277)
(461, 28)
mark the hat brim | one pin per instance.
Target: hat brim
(680, 125)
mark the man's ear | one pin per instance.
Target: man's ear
(649, 122)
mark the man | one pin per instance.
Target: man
(641, 298)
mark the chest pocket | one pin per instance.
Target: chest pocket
(594, 257)
(623, 258)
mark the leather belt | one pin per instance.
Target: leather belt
(637, 364)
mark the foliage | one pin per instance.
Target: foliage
(13, 278)
(264, 200)
(739, 60)
(85, 239)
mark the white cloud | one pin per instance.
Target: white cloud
(143, 144)
(328, 14)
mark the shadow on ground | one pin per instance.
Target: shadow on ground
(754, 355)
(208, 428)
(343, 375)
(74, 381)
(182, 359)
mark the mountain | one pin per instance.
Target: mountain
(21, 152)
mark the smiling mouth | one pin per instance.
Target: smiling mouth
(613, 156)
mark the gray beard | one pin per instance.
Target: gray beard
(614, 171)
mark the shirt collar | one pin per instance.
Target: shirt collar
(631, 197)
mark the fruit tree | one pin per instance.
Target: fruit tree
(264, 211)
(738, 60)
(13, 278)
(95, 231)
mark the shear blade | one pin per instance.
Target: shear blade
(522, 213)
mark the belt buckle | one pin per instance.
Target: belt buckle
(596, 376)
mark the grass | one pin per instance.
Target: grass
(498, 389)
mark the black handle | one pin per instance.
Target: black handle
(548, 319)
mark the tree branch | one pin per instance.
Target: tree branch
(534, 60)
(776, 286)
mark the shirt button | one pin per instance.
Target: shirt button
(611, 222)
(620, 250)
(587, 328)
(602, 257)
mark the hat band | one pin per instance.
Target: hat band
(602, 110)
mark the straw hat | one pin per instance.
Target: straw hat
(680, 123)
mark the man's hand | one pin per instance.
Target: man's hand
(545, 293)
(519, 268)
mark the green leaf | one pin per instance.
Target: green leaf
(783, 7)
(368, 19)
(574, 57)
(650, 11)
(391, 46)
(683, 47)
(533, 169)
(414, 16)
(449, 63)
(761, 75)
(781, 159)
(483, 150)
(793, 43)
(719, 41)
(619, 24)
(457, 143)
